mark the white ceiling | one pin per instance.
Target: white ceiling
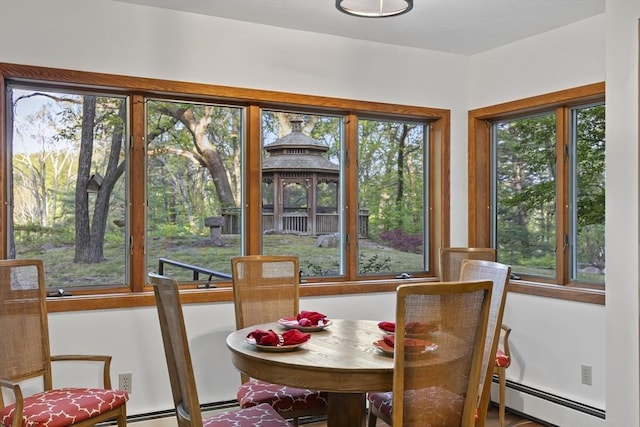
(455, 26)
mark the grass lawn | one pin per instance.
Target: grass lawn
(62, 272)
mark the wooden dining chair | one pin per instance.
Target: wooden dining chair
(503, 361)
(450, 269)
(25, 355)
(183, 384)
(451, 260)
(499, 275)
(436, 386)
(265, 289)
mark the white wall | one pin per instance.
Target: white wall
(604, 337)
(551, 338)
(567, 57)
(133, 338)
(622, 213)
(112, 37)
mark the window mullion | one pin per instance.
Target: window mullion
(563, 161)
(137, 199)
(252, 212)
(351, 194)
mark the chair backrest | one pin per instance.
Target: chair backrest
(451, 260)
(499, 275)
(176, 350)
(265, 288)
(438, 386)
(23, 322)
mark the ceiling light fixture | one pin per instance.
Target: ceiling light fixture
(374, 8)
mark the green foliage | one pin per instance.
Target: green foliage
(591, 246)
(182, 189)
(373, 264)
(315, 269)
(31, 233)
(526, 188)
(169, 231)
(401, 241)
(590, 153)
(114, 238)
(390, 169)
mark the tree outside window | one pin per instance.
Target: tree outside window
(68, 204)
(547, 193)
(194, 177)
(106, 181)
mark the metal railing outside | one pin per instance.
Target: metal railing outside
(196, 270)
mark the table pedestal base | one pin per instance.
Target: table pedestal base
(346, 410)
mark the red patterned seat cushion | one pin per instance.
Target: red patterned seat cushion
(438, 407)
(502, 360)
(257, 416)
(282, 398)
(383, 402)
(65, 406)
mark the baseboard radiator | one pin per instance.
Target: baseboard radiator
(149, 416)
(549, 397)
(552, 398)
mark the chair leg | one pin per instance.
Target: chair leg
(372, 420)
(122, 417)
(503, 386)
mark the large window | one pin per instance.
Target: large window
(302, 198)
(392, 181)
(106, 178)
(67, 204)
(194, 180)
(545, 188)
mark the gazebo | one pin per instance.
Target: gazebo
(300, 189)
(300, 186)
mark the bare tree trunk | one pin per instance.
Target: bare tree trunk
(208, 154)
(402, 143)
(90, 235)
(83, 240)
(115, 169)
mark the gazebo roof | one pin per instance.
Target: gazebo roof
(297, 139)
(297, 152)
(299, 162)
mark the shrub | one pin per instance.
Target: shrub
(374, 264)
(399, 240)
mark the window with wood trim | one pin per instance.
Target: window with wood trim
(108, 177)
(536, 182)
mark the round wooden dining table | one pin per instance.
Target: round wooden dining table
(340, 359)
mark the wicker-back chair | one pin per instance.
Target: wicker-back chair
(436, 379)
(183, 384)
(450, 266)
(25, 355)
(499, 275)
(265, 289)
(451, 260)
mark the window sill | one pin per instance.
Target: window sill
(225, 294)
(220, 294)
(570, 293)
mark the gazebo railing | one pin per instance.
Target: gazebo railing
(325, 223)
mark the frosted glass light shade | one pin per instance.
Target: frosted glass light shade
(374, 8)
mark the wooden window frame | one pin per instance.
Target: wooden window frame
(480, 164)
(253, 100)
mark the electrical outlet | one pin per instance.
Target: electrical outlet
(124, 382)
(586, 374)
